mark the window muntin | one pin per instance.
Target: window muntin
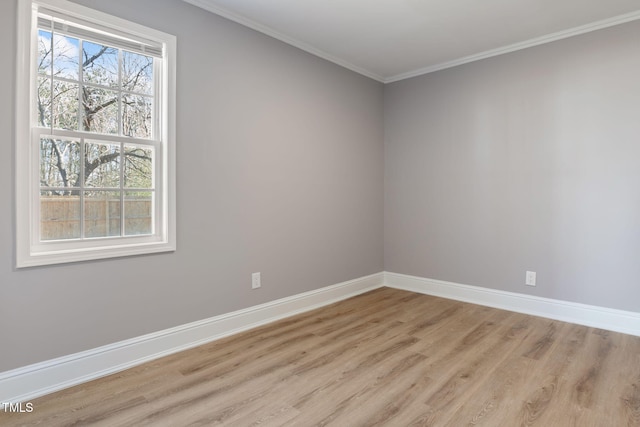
(84, 182)
(88, 87)
(97, 180)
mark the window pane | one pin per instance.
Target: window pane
(65, 105)
(138, 209)
(59, 163)
(137, 73)
(44, 101)
(102, 165)
(136, 116)
(100, 110)
(99, 64)
(101, 213)
(59, 216)
(138, 167)
(65, 57)
(44, 52)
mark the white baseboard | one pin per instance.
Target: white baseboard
(599, 317)
(29, 382)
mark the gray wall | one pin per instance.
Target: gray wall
(280, 171)
(526, 161)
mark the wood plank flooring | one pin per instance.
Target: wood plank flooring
(387, 357)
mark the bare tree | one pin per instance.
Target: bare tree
(96, 89)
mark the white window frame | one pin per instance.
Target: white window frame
(30, 250)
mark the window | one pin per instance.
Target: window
(95, 137)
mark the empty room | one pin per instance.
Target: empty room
(354, 213)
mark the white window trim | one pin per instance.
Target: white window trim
(29, 250)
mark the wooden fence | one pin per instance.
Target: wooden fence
(60, 217)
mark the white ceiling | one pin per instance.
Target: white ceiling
(389, 40)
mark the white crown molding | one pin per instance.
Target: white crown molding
(213, 8)
(576, 31)
(626, 322)
(29, 382)
(210, 6)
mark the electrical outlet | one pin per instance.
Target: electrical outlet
(255, 281)
(530, 279)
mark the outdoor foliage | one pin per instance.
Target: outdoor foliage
(84, 86)
(89, 87)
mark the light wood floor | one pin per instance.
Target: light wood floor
(387, 357)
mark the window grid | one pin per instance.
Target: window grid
(81, 189)
(119, 88)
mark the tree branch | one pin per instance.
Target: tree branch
(89, 167)
(92, 59)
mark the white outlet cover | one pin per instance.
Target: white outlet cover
(255, 281)
(530, 278)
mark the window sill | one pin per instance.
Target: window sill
(41, 258)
